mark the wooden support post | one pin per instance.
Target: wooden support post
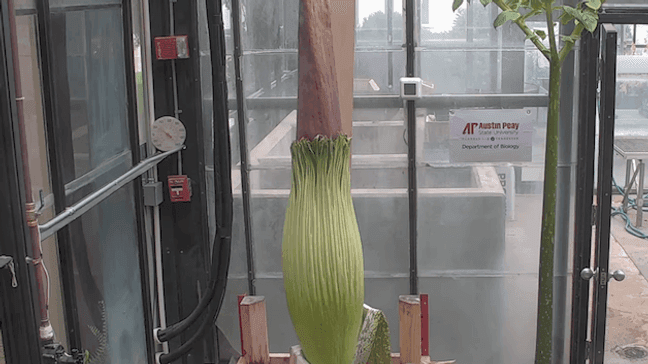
(409, 311)
(254, 330)
(425, 325)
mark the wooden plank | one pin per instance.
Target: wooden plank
(318, 99)
(409, 310)
(425, 325)
(424, 360)
(254, 330)
(280, 358)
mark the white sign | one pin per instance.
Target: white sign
(491, 135)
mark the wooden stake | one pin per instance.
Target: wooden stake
(254, 330)
(409, 310)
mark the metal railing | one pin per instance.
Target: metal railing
(73, 212)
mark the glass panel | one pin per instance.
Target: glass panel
(107, 277)
(24, 4)
(81, 3)
(379, 24)
(480, 194)
(105, 239)
(625, 338)
(97, 84)
(464, 54)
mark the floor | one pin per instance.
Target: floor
(627, 319)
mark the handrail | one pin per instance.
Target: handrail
(441, 101)
(73, 212)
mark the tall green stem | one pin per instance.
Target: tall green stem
(547, 239)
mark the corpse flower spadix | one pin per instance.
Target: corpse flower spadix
(322, 252)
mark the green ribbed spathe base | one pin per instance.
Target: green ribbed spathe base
(322, 252)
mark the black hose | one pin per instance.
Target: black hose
(222, 185)
(213, 311)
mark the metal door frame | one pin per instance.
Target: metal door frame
(604, 190)
(55, 124)
(597, 63)
(18, 320)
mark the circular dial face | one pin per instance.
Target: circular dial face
(168, 133)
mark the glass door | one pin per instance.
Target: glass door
(618, 316)
(92, 139)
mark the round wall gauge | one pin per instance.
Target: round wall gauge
(168, 133)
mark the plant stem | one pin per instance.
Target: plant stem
(547, 239)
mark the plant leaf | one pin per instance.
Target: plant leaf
(565, 17)
(541, 33)
(537, 5)
(486, 2)
(513, 4)
(568, 39)
(456, 4)
(593, 4)
(588, 19)
(504, 17)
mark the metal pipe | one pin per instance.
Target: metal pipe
(46, 331)
(242, 125)
(507, 101)
(411, 150)
(147, 76)
(73, 212)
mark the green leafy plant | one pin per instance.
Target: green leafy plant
(584, 17)
(100, 356)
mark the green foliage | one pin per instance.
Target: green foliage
(585, 15)
(100, 356)
(505, 16)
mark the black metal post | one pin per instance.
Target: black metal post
(242, 129)
(133, 130)
(629, 14)
(604, 189)
(184, 226)
(584, 195)
(411, 150)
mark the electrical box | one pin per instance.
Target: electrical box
(153, 194)
(179, 188)
(172, 47)
(410, 88)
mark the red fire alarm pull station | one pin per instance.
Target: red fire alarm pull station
(172, 47)
(179, 189)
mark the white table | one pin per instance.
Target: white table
(633, 149)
